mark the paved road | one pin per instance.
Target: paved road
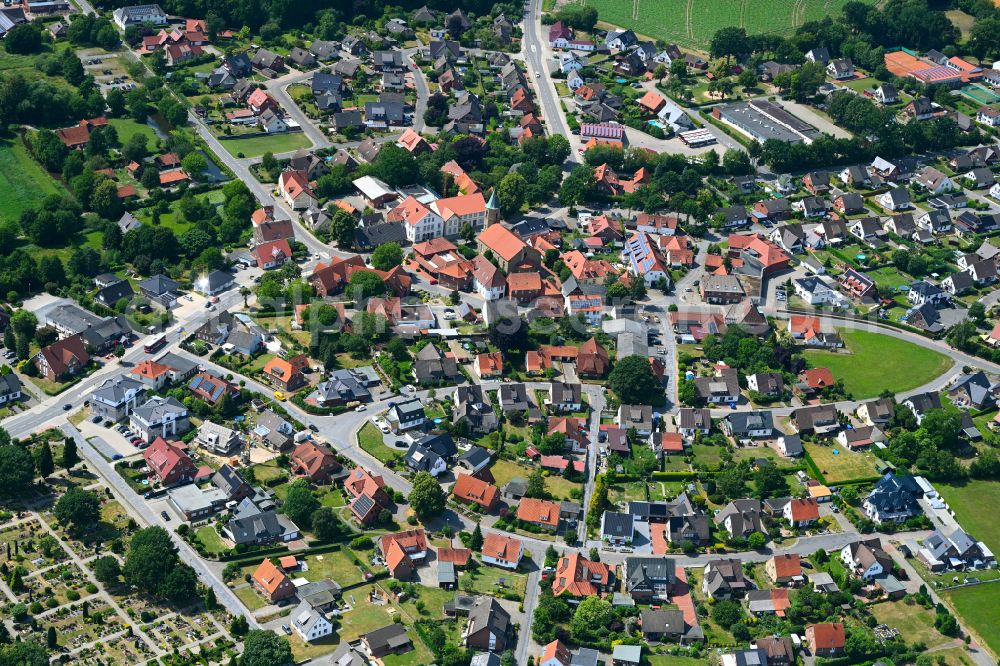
(535, 49)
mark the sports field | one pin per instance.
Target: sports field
(691, 23)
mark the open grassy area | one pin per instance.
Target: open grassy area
(257, 145)
(915, 623)
(492, 580)
(844, 465)
(968, 502)
(303, 651)
(505, 470)
(335, 565)
(250, 598)
(23, 182)
(210, 539)
(370, 439)
(364, 616)
(127, 128)
(977, 607)
(877, 362)
(670, 660)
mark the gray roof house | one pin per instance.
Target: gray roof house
(252, 525)
(741, 517)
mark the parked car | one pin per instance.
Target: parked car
(165, 516)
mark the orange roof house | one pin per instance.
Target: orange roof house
(818, 378)
(271, 581)
(412, 142)
(784, 568)
(592, 359)
(652, 101)
(151, 373)
(826, 639)
(471, 490)
(542, 513)
(402, 550)
(367, 495)
(314, 461)
(457, 556)
(287, 374)
(802, 511)
(489, 365)
(576, 576)
(78, 136)
(175, 177)
(555, 654)
(502, 550)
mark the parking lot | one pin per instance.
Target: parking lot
(110, 439)
(108, 69)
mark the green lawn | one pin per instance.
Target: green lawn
(505, 470)
(370, 439)
(335, 565)
(915, 623)
(210, 539)
(843, 466)
(879, 362)
(433, 600)
(250, 598)
(978, 608)
(257, 145)
(669, 660)
(968, 502)
(486, 580)
(364, 616)
(23, 182)
(127, 128)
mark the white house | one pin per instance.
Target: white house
(309, 623)
(272, 122)
(988, 116)
(865, 558)
(895, 199)
(502, 551)
(419, 221)
(139, 15)
(569, 62)
(817, 292)
(10, 388)
(934, 181)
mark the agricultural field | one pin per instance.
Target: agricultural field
(877, 363)
(691, 23)
(22, 180)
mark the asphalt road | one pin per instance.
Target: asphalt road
(535, 50)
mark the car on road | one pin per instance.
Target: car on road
(165, 516)
(67, 407)
(278, 395)
(537, 75)
(117, 456)
(410, 388)
(360, 408)
(312, 426)
(285, 628)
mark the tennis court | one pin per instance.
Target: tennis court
(980, 94)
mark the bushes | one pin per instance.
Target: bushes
(362, 543)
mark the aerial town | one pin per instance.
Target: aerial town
(540, 333)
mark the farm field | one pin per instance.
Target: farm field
(691, 23)
(878, 363)
(23, 182)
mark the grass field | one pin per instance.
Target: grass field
(23, 182)
(915, 623)
(968, 501)
(843, 466)
(127, 128)
(505, 470)
(335, 565)
(255, 146)
(487, 579)
(210, 539)
(370, 439)
(692, 23)
(977, 607)
(879, 362)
